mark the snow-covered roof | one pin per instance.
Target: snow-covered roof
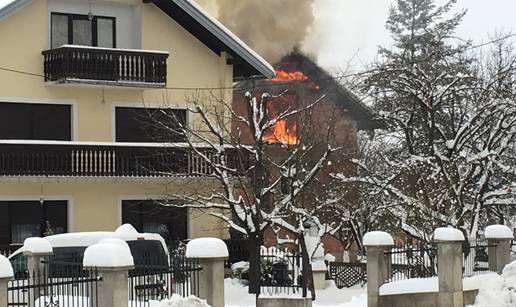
(187, 13)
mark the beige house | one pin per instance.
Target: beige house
(75, 75)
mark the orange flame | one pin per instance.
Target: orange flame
(282, 75)
(284, 130)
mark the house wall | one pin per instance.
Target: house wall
(191, 64)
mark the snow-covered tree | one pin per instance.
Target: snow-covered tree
(450, 112)
(260, 183)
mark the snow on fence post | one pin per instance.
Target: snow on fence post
(211, 253)
(378, 263)
(6, 274)
(112, 259)
(449, 262)
(36, 249)
(499, 251)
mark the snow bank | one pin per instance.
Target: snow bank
(378, 238)
(6, 269)
(206, 248)
(495, 290)
(37, 246)
(178, 301)
(448, 234)
(108, 253)
(498, 232)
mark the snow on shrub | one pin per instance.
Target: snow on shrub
(240, 269)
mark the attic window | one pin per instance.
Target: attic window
(72, 29)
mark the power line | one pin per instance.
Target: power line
(283, 83)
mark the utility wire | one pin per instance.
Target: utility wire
(283, 83)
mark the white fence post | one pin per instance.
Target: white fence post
(449, 262)
(6, 274)
(113, 260)
(378, 264)
(499, 251)
(211, 253)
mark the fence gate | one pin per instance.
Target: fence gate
(348, 274)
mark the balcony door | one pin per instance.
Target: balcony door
(72, 29)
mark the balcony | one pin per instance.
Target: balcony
(82, 159)
(105, 66)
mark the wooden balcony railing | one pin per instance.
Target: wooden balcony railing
(105, 66)
(49, 158)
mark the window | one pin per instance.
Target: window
(80, 30)
(27, 121)
(149, 216)
(139, 124)
(23, 219)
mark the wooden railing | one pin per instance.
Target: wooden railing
(47, 158)
(105, 66)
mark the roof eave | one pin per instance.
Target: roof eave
(13, 7)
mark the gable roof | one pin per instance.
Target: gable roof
(246, 62)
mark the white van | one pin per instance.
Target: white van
(69, 247)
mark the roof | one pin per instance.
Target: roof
(365, 116)
(246, 62)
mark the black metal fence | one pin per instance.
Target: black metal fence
(348, 274)
(476, 257)
(283, 272)
(238, 250)
(157, 279)
(413, 261)
(56, 285)
(7, 250)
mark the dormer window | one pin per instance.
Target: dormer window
(72, 29)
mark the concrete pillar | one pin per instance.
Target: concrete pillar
(211, 281)
(450, 261)
(6, 274)
(113, 290)
(211, 253)
(378, 264)
(37, 251)
(112, 258)
(499, 251)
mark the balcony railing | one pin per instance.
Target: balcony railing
(78, 159)
(106, 66)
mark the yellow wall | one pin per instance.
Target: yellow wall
(191, 64)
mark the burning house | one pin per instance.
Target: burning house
(332, 115)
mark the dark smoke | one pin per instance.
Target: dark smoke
(271, 27)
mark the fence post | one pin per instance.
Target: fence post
(36, 250)
(6, 274)
(449, 262)
(211, 253)
(112, 258)
(499, 251)
(378, 264)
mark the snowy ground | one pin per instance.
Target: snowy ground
(237, 296)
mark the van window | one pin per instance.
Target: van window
(148, 252)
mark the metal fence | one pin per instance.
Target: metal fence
(157, 279)
(413, 261)
(7, 250)
(283, 272)
(476, 257)
(55, 285)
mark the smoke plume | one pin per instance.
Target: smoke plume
(271, 27)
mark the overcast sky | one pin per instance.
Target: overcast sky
(347, 28)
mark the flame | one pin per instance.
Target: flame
(282, 75)
(284, 130)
